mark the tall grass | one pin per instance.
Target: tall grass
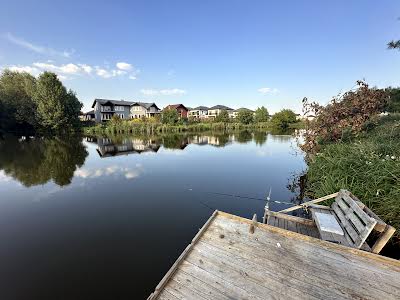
(127, 127)
(367, 165)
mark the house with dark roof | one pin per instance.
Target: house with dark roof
(199, 112)
(180, 108)
(216, 110)
(105, 109)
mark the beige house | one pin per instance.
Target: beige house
(200, 112)
(216, 110)
(142, 109)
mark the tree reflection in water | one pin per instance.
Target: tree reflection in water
(37, 161)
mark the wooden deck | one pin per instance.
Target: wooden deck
(226, 261)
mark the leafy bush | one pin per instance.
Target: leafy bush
(222, 117)
(347, 113)
(284, 118)
(170, 116)
(394, 99)
(261, 115)
(245, 116)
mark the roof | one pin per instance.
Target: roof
(175, 106)
(90, 112)
(221, 107)
(124, 103)
(146, 105)
(236, 258)
(243, 109)
(115, 102)
(200, 108)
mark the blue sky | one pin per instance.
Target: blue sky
(237, 53)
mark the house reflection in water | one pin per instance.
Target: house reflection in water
(106, 147)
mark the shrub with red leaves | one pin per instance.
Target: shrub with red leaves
(345, 114)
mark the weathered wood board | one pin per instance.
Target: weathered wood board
(226, 261)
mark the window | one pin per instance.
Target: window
(119, 108)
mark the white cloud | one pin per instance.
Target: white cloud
(63, 69)
(31, 70)
(124, 66)
(36, 48)
(267, 90)
(128, 173)
(149, 92)
(164, 92)
(103, 73)
(71, 70)
(86, 68)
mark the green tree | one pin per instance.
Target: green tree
(170, 116)
(284, 118)
(57, 109)
(17, 106)
(222, 117)
(394, 99)
(261, 115)
(245, 116)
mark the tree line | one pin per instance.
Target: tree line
(281, 119)
(31, 105)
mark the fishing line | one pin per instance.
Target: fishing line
(245, 197)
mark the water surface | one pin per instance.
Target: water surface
(105, 218)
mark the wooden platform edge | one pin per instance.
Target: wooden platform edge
(379, 258)
(181, 257)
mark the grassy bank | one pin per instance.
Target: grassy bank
(367, 165)
(127, 127)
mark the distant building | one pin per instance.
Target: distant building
(300, 117)
(180, 108)
(89, 116)
(216, 110)
(234, 113)
(105, 109)
(199, 112)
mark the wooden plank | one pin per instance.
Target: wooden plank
(225, 286)
(350, 214)
(199, 286)
(283, 286)
(325, 255)
(183, 291)
(165, 295)
(305, 204)
(299, 279)
(243, 276)
(291, 218)
(318, 261)
(345, 224)
(294, 239)
(383, 239)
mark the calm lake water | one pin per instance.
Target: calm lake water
(105, 218)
